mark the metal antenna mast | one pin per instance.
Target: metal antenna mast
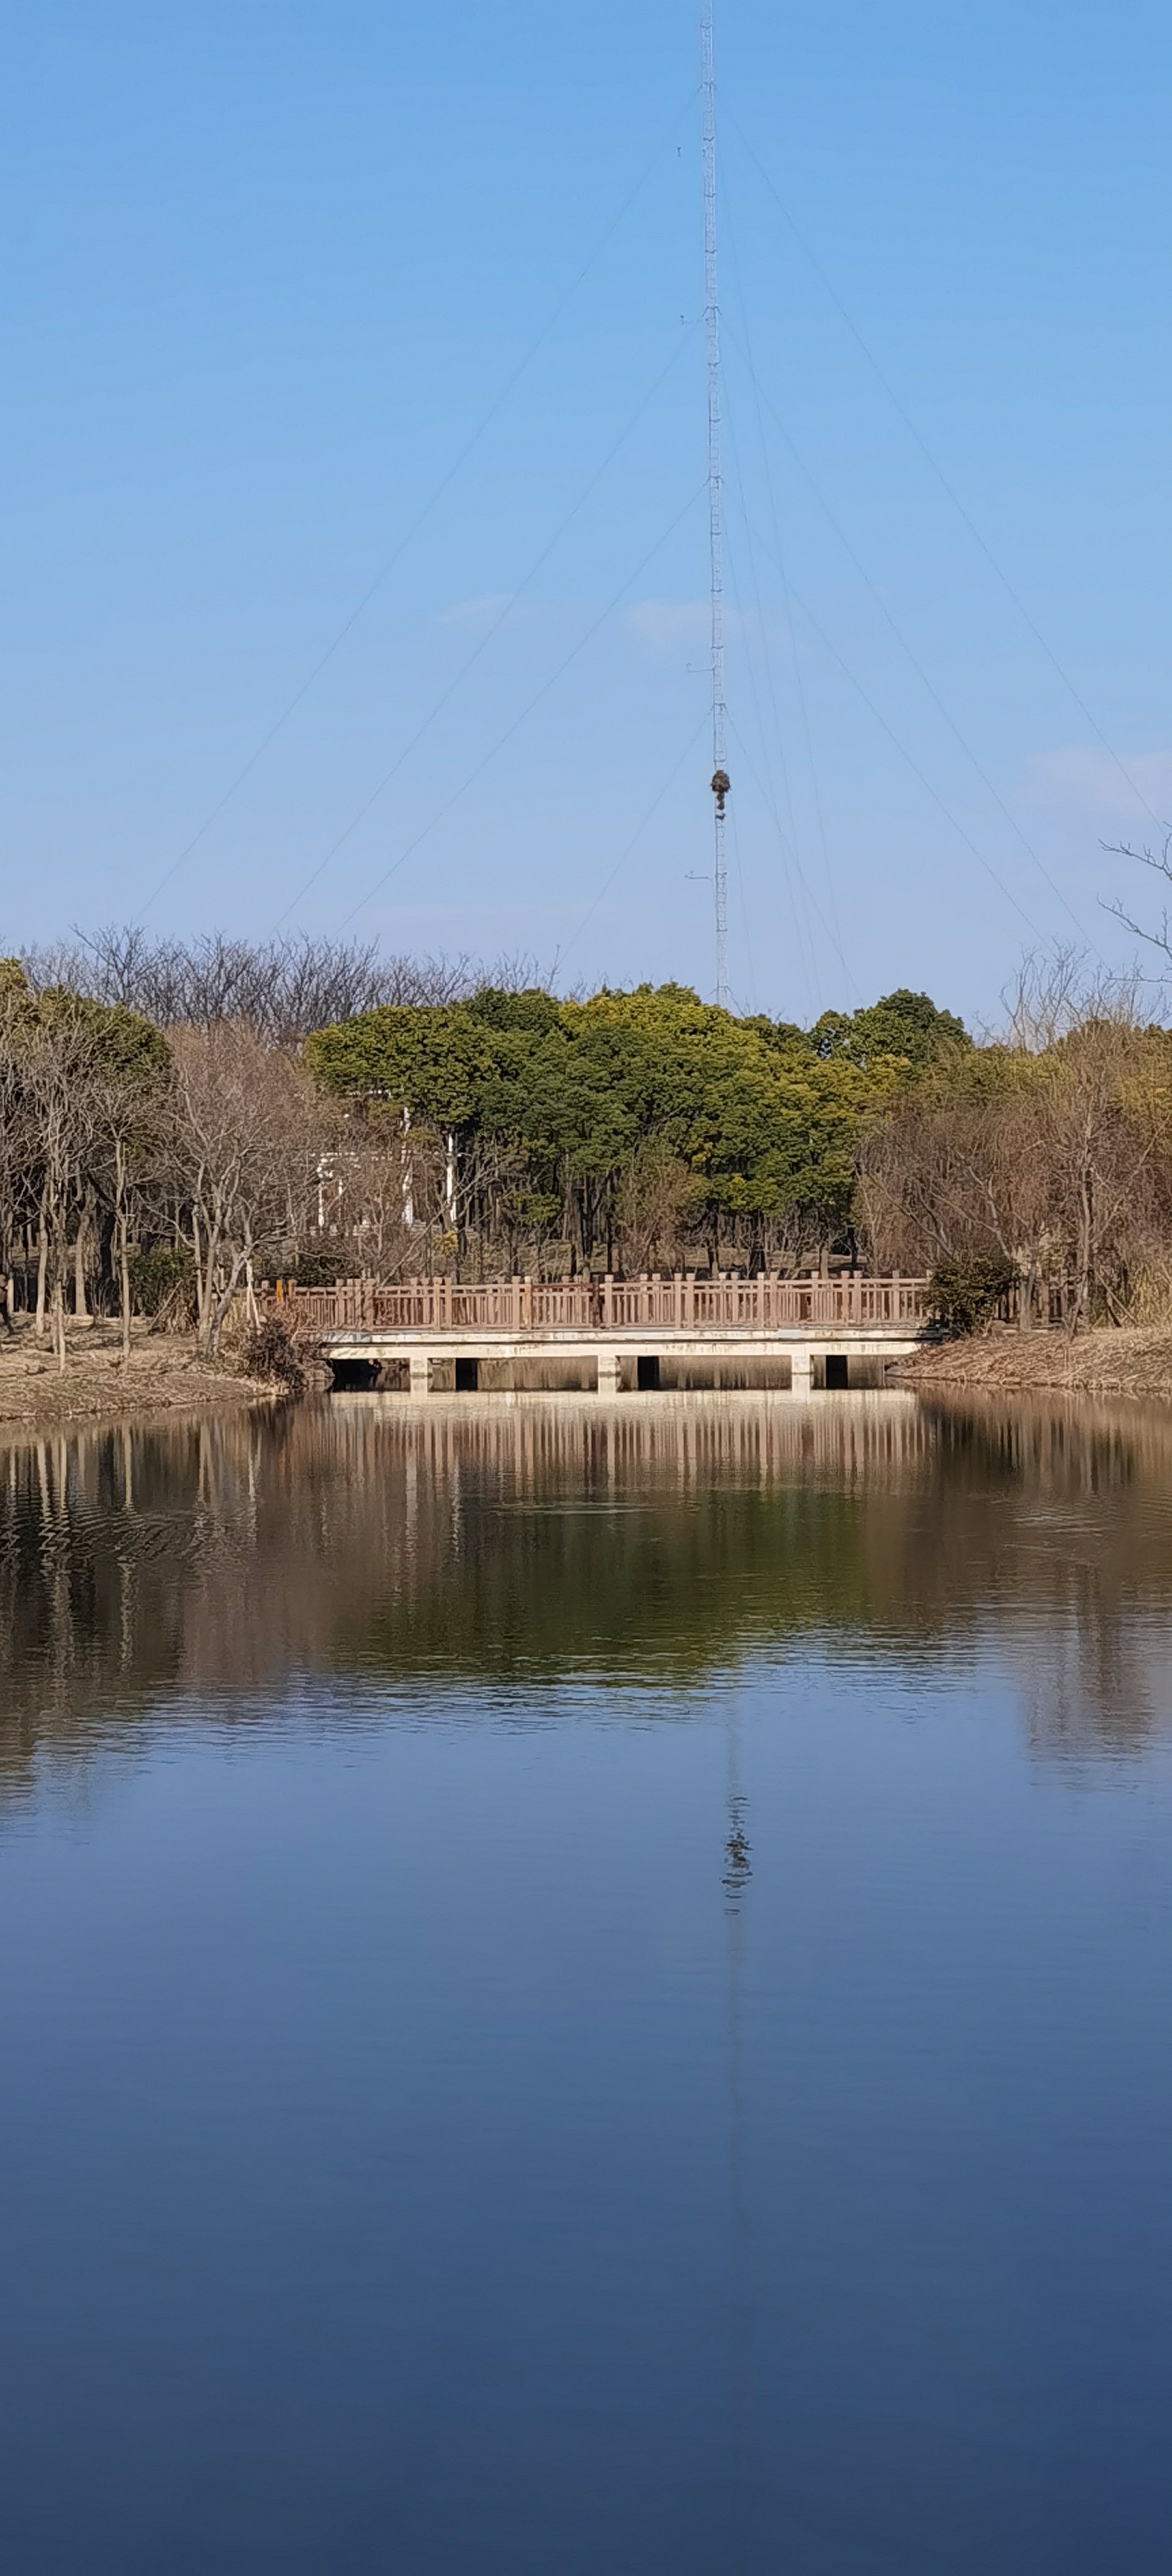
(720, 782)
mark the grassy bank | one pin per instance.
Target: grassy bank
(1123, 1360)
(163, 1374)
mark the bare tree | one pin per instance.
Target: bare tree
(282, 988)
(1052, 1149)
(657, 1202)
(247, 1144)
(377, 1189)
(132, 1124)
(57, 1069)
(1159, 863)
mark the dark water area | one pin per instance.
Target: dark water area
(588, 1987)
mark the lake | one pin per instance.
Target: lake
(588, 1987)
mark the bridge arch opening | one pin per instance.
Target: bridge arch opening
(353, 1376)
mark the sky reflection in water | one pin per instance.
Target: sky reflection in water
(587, 1986)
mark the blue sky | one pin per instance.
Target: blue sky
(271, 270)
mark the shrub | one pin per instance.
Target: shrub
(271, 1354)
(963, 1295)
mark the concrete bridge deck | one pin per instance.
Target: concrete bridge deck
(613, 1362)
(679, 1331)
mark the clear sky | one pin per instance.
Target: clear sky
(280, 276)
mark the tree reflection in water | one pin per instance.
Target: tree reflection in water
(369, 1543)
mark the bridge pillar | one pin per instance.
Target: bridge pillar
(608, 1372)
(419, 1365)
(800, 1371)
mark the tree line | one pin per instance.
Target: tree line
(179, 1122)
(1037, 1166)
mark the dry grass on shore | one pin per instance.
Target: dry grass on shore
(164, 1374)
(1111, 1360)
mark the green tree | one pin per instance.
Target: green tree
(904, 1028)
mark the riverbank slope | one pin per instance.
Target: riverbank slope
(163, 1374)
(1111, 1360)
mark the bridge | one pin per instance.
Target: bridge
(660, 1330)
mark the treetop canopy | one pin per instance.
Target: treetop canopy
(124, 1044)
(765, 1115)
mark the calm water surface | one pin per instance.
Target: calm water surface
(588, 1989)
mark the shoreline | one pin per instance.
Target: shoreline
(164, 1374)
(1110, 1359)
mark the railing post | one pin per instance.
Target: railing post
(655, 1299)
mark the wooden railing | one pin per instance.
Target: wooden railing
(675, 1300)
